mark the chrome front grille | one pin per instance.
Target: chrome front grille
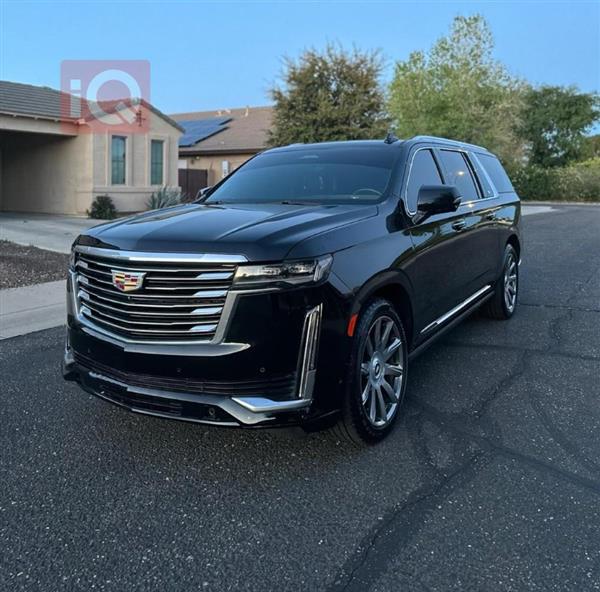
(180, 299)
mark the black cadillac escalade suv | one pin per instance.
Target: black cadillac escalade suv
(298, 289)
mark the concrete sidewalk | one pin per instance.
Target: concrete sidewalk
(32, 308)
(45, 231)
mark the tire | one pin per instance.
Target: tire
(503, 303)
(370, 420)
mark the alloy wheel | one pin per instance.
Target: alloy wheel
(382, 371)
(510, 283)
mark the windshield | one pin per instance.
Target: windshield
(340, 175)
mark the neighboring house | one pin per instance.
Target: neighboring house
(220, 141)
(54, 164)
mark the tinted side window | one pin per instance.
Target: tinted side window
(423, 171)
(484, 180)
(459, 174)
(496, 172)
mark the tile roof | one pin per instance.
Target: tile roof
(28, 100)
(245, 132)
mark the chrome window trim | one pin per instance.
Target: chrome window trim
(473, 156)
(476, 201)
(149, 257)
(410, 166)
(470, 154)
(474, 178)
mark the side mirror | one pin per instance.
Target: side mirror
(202, 193)
(437, 199)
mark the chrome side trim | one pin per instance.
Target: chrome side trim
(134, 256)
(456, 309)
(308, 359)
(173, 348)
(309, 349)
(263, 405)
(242, 414)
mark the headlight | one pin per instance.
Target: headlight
(286, 273)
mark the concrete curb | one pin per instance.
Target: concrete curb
(32, 308)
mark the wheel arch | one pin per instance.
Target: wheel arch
(397, 290)
(513, 241)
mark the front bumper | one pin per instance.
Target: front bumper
(264, 373)
(219, 410)
(236, 403)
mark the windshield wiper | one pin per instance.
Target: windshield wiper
(293, 202)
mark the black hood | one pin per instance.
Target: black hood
(261, 232)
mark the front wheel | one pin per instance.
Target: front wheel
(503, 303)
(377, 378)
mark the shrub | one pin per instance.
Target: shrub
(102, 208)
(165, 198)
(576, 182)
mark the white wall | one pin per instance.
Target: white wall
(132, 196)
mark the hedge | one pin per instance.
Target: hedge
(576, 182)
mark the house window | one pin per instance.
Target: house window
(117, 160)
(224, 168)
(156, 162)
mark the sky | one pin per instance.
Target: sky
(223, 54)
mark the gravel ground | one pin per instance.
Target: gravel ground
(25, 266)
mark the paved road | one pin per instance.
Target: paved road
(491, 481)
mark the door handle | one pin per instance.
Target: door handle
(459, 224)
(490, 216)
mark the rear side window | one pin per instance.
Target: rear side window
(423, 171)
(496, 172)
(458, 173)
(484, 180)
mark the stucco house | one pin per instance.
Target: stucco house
(220, 141)
(55, 164)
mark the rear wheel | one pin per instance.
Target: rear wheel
(377, 381)
(503, 303)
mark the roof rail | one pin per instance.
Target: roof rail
(449, 142)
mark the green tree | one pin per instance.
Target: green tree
(457, 90)
(332, 95)
(591, 147)
(554, 123)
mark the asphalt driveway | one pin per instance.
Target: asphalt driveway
(491, 481)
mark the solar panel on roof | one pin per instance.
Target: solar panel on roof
(197, 130)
